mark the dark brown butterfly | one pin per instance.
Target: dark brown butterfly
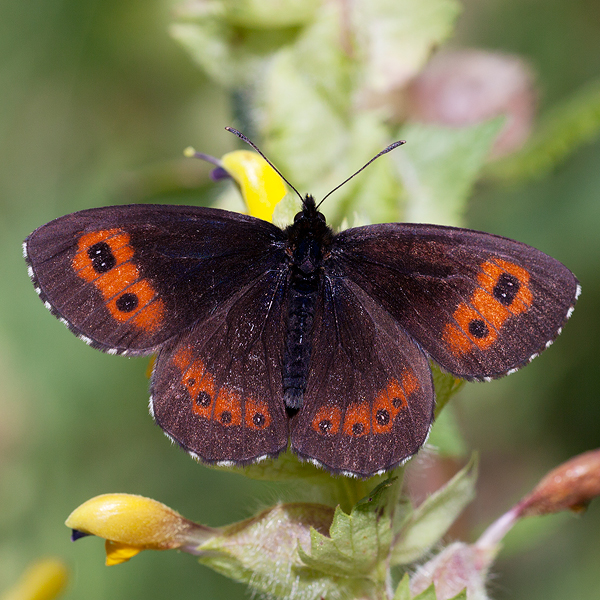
(267, 336)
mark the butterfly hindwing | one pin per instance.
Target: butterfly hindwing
(369, 400)
(267, 335)
(217, 390)
(480, 305)
(128, 278)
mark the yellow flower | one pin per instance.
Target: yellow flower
(43, 580)
(131, 523)
(261, 187)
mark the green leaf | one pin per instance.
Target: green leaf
(428, 594)
(317, 483)
(232, 56)
(446, 437)
(265, 14)
(403, 589)
(432, 519)
(358, 543)
(394, 39)
(445, 434)
(303, 133)
(446, 386)
(285, 467)
(320, 57)
(263, 552)
(373, 196)
(559, 133)
(438, 167)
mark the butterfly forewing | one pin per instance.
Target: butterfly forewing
(217, 390)
(245, 316)
(369, 401)
(128, 278)
(479, 305)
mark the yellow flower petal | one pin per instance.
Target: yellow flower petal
(135, 521)
(262, 188)
(43, 580)
(117, 553)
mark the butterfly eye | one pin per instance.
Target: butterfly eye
(297, 217)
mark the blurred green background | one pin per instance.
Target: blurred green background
(96, 105)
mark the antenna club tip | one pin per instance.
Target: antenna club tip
(189, 152)
(240, 135)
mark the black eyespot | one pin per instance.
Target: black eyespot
(191, 382)
(506, 289)
(478, 329)
(127, 302)
(325, 426)
(226, 417)
(204, 400)
(397, 402)
(358, 428)
(382, 417)
(102, 258)
(258, 419)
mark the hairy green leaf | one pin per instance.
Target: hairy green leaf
(263, 552)
(428, 594)
(358, 543)
(403, 589)
(438, 167)
(394, 39)
(430, 521)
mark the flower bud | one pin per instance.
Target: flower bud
(466, 87)
(131, 523)
(571, 486)
(457, 567)
(265, 551)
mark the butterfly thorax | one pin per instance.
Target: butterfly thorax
(308, 239)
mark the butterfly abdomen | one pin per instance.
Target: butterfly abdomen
(298, 346)
(308, 237)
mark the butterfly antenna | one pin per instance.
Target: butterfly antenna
(251, 143)
(384, 151)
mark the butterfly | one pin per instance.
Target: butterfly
(302, 336)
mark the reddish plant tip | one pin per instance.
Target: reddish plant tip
(461, 88)
(571, 486)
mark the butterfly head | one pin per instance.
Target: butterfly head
(310, 222)
(308, 236)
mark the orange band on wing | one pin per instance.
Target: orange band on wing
(257, 414)
(327, 420)
(357, 420)
(197, 381)
(504, 292)
(390, 401)
(228, 407)
(105, 259)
